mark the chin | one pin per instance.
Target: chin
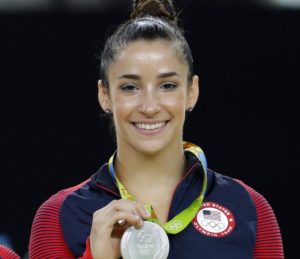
(151, 148)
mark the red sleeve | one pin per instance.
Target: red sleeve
(7, 253)
(268, 237)
(87, 254)
(46, 238)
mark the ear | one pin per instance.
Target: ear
(103, 96)
(193, 93)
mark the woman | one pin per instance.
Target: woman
(147, 86)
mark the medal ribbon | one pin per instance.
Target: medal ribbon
(183, 219)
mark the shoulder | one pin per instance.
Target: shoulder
(230, 183)
(232, 194)
(234, 186)
(261, 203)
(76, 214)
(268, 235)
(254, 216)
(257, 198)
(46, 234)
(52, 206)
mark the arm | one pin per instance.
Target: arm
(46, 238)
(268, 237)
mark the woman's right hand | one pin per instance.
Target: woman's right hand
(106, 230)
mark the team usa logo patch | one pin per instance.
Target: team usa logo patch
(214, 220)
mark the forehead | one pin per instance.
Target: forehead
(148, 57)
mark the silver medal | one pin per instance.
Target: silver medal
(148, 242)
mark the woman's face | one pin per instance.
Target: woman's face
(148, 96)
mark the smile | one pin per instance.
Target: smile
(150, 126)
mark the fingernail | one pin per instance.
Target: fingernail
(141, 222)
(121, 222)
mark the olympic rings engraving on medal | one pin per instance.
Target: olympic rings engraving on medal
(150, 241)
(145, 244)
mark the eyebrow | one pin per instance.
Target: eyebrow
(137, 77)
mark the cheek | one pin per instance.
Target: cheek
(177, 102)
(122, 108)
(123, 103)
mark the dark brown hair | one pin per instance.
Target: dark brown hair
(150, 20)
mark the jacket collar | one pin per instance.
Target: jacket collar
(103, 180)
(187, 190)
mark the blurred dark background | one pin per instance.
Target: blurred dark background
(52, 137)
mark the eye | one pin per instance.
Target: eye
(129, 87)
(168, 86)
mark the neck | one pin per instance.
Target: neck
(151, 179)
(163, 168)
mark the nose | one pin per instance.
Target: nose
(149, 102)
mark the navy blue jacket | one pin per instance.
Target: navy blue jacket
(225, 226)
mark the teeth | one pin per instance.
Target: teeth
(150, 126)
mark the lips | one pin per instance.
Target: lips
(150, 128)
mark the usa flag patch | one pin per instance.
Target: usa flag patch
(214, 220)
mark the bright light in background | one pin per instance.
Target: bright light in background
(24, 4)
(89, 4)
(292, 4)
(287, 3)
(104, 5)
(5, 240)
(49, 5)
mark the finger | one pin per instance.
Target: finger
(118, 230)
(132, 206)
(103, 225)
(128, 217)
(116, 205)
(109, 215)
(145, 214)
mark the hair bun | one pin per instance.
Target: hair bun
(157, 8)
